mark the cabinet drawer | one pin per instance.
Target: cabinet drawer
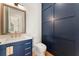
(26, 41)
(28, 44)
(17, 43)
(22, 42)
(29, 49)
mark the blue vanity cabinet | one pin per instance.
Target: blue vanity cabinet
(20, 48)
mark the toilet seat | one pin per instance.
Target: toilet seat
(41, 46)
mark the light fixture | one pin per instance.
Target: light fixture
(16, 4)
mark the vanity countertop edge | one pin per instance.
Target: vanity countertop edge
(7, 40)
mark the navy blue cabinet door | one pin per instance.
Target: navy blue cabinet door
(47, 26)
(18, 49)
(64, 10)
(2, 50)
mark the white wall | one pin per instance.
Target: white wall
(33, 20)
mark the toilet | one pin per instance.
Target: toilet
(40, 49)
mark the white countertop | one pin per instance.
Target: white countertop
(5, 39)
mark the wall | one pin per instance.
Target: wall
(33, 20)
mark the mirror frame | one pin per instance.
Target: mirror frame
(2, 17)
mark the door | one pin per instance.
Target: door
(47, 26)
(64, 32)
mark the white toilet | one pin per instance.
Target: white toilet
(40, 49)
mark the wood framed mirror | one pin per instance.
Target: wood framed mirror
(12, 19)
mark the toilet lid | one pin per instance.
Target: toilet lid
(41, 46)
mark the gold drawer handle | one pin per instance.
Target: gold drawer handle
(28, 43)
(28, 53)
(27, 48)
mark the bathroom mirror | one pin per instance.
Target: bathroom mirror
(14, 20)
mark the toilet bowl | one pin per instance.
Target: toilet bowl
(40, 49)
